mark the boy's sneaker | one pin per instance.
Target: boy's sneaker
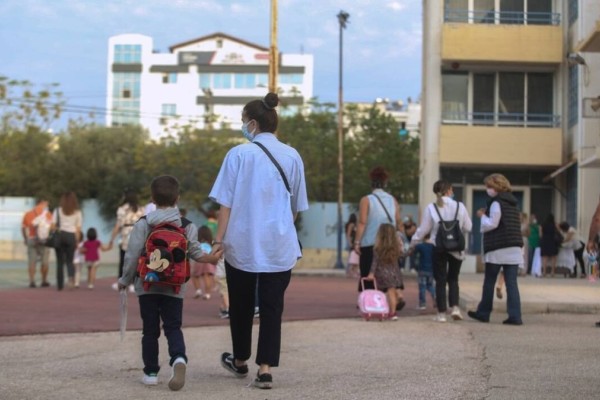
(263, 381)
(421, 307)
(178, 374)
(223, 314)
(440, 317)
(150, 379)
(456, 315)
(228, 362)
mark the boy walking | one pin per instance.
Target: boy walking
(424, 252)
(161, 302)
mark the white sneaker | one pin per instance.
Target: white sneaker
(206, 296)
(131, 289)
(198, 293)
(115, 286)
(150, 380)
(178, 374)
(456, 315)
(440, 317)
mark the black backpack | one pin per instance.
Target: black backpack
(449, 236)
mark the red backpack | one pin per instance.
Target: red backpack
(164, 259)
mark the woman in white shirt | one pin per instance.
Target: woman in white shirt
(68, 220)
(502, 247)
(446, 265)
(259, 204)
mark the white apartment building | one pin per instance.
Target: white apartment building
(202, 83)
(408, 115)
(508, 87)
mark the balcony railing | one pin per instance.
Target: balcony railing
(501, 17)
(504, 119)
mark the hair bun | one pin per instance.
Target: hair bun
(271, 100)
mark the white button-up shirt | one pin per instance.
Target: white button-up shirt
(260, 235)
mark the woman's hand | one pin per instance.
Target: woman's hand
(357, 247)
(480, 212)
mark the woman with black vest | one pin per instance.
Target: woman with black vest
(502, 243)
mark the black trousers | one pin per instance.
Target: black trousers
(579, 258)
(365, 261)
(445, 270)
(242, 288)
(64, 256)
(153, 309)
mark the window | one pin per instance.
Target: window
(540, 95)
(219, 43)
(505, 98)
(290, 79)
(483, 98)
(126, 112)
(484, 12)
(511, 96)
(455, 96)
(169, 110)
(128, 54)
(573, 11)
(245, 81)
(536, 12)
(204, 81)
(126, 85)
(511, 12)
(221, 81)
(573, 96)
(170, 77)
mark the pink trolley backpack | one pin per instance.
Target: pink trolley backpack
(372, 303)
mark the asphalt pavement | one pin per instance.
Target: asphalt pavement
(331, 355)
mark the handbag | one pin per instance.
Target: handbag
(285, 181)
(53, 239)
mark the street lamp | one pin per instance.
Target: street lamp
(343, 20)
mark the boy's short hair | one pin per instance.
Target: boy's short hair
(165, 190)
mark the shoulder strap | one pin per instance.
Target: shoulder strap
(438, 212)
(457, 207)
(384, 209)
(268, 153)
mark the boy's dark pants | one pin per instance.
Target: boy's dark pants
(271, 290)
(153, 308)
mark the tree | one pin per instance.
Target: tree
(22, 108)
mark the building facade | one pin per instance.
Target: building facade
(202, 83)
(504, 91)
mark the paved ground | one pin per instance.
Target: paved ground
(328, 353)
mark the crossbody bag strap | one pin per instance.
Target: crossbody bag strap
(384, 209)
(268, 153)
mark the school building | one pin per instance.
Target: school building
(202, 83)
(512, 87)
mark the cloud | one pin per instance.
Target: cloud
(396, 5)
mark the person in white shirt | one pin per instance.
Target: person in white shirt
(67, 219)
(259, 204)
(446, 265)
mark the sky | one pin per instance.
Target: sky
(66, 41)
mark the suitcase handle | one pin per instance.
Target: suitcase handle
(363, 279)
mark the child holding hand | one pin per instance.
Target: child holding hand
(90, 250)
(384, 269)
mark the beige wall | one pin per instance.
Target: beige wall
(503, 43)
(461, 144)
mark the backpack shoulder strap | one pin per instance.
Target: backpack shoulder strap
(185, 222)
(438, 211)
(457, 207)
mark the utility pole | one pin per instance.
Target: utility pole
(343, 20)
(273, 53)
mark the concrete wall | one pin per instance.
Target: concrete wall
(318, 232)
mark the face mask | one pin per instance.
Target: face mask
(246, 133)
(451, 195)
(491, 192)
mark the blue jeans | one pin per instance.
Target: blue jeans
(153, 309)
(513, 300)
(426, 285)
